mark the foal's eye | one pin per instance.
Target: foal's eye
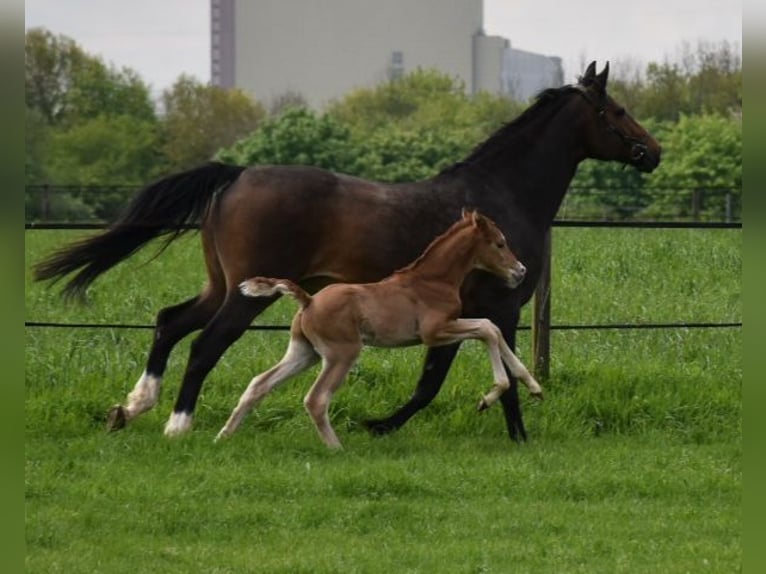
(500, 245)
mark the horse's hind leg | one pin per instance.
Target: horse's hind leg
(299, 356)
(173, 324)
(437, 364)
(219, 334)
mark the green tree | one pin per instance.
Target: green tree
(50, 67)
(200, 119)
(107, 150)
(701, 152)
(298, 136)
(87, 123)
(410, 127)
(666, 95)
(37, 138)
(394, 154)
(65, 85)
(715, 85)
(424, 100)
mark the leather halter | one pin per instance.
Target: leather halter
(638, 149)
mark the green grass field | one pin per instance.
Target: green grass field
(634, 462)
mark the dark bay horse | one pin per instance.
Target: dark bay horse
(418, 304)
(315, 227)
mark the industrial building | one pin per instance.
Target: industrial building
(323, 49)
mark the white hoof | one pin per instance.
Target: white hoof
(178, 424)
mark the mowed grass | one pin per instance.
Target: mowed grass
(634, 462)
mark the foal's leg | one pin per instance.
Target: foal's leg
(317, 401)
(173, 324)
(298, 357)
(489, 333)
(219, 334)
(518, 369)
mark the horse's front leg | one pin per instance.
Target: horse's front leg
(437, 363)
(506, 316)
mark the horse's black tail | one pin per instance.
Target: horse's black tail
(163, 207)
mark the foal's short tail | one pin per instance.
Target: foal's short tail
(167, 206)
(265, 287)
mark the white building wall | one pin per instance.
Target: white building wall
(489, 54)
(526, 73)
(323, 49)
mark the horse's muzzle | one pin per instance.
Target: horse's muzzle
(644, 159)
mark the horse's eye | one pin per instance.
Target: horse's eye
(619, 112)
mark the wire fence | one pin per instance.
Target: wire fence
(88, 204)
(40, 216)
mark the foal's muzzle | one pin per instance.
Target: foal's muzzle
(516, 274)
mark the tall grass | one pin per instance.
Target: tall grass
(634, 463)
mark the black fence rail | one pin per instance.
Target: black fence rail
(541, 326)
(563, 327)
(97, 204)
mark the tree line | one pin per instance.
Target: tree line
(91, 124)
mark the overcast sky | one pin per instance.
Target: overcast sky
(162, 39)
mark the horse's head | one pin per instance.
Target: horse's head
(492, 252)
(611, 133)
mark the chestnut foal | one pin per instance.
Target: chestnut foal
(417, 304)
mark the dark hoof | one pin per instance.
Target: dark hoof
(115, 418)
(378, 427)
(538, 396)
(483, 406)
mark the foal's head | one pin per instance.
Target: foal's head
(492, 252)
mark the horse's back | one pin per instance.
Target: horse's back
(305, 223)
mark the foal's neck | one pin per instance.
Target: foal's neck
(448, 259)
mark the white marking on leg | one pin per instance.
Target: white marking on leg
(491, 397)
(519, 371)
(144, 395)
(178, 424)
(298, 357)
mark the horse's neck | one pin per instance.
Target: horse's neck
(537, 174)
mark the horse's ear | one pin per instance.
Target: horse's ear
(600, 80)
(590, 74)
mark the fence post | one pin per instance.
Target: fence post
(541, 316)
(46, 203)
(729, 209)
(696, 203)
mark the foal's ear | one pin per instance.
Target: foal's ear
(479, 221)
(466, 213)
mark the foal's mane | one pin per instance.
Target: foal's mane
(454, 229)
(514, 135)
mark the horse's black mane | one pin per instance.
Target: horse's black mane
(503, 137)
